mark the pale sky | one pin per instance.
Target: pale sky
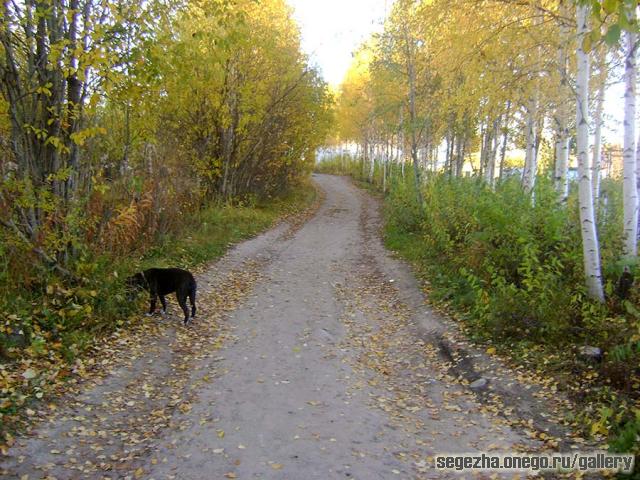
(333, 29)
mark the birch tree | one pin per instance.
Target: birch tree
(409, 50)
(597, 137)
(630, 190)
(590, 245)
(530, 160)
(562, 109)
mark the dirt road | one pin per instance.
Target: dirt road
(314, 357)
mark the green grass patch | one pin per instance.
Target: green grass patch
(217, 227)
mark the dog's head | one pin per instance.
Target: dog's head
(135, 283)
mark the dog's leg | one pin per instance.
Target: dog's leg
(182, 301)
(163, 301)
(152, 306)
(192, 300)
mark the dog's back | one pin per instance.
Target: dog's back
(162, 281)
(169, 280)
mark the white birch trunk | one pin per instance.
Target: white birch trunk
(562, 163)
(372, 165)
(384, 166)
(402, 142)
(590, 246)
(483, 147)
(531, 152)
(597, 142)
(638, 179)
(629, 168)
(414, 139)
(562, 112)
(505, 135)
(492, 150)
(530, 163)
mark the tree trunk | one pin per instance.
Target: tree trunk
(385, 160)
(530, 161)
(459, 156)
(637, 181)
(401, 141)
(484, 128)
(372, 161)
(411, 74)
(505, 136)
(562, 162)
(446, 155)
(561, 169)
(629, 188)
(414, 140)
(590, 246)
(490, 155)
(365, 158)
(597, 140)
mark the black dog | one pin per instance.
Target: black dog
(162, 281)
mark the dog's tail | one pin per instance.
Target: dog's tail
(192, 298)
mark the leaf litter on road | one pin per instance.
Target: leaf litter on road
(137, 384)
(420, 388)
